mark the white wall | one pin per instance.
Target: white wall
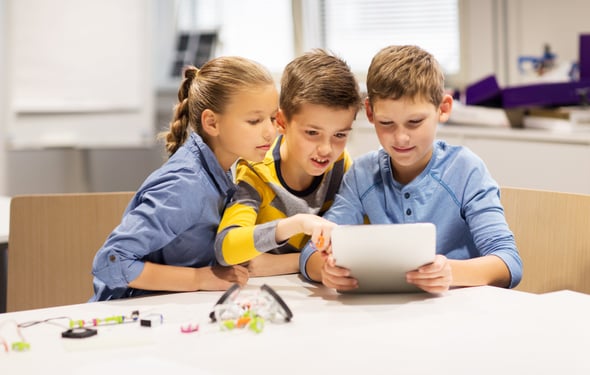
(125, 103)
(531, 23)
(2, 102)
(479, 39)
(488, 49)
(497, 32)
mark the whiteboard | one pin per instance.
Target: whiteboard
(79, 72)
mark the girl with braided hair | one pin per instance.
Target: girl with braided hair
(164, 242)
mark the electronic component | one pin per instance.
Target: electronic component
(78, 333)
(152, 320)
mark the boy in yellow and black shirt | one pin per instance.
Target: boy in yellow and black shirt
(278, 200)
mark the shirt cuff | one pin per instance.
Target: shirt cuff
(116, 271)
(307, 251)
(514, 265)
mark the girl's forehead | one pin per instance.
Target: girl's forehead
(252, 92)
(255, 89)
(263, 98)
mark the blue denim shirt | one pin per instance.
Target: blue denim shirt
(455, 192)
(172, 219)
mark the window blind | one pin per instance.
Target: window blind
(357, 29)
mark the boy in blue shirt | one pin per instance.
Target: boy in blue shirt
(415, 178)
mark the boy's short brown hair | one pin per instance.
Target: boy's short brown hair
(318, 77)
(405, 72)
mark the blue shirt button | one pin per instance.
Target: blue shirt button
(406, 195)
(408, 212)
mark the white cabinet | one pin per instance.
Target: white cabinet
(538, 165)
(515, 157)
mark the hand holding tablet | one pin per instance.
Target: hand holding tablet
(379, 255)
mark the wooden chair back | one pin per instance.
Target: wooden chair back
(52, 242)
(552, 233)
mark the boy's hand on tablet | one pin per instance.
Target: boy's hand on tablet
(337, 277)
(435, 277)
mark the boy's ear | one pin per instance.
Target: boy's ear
(281, 122)
(369, 110)
(209, 122)
(445, 108)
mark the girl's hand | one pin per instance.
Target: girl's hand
(221, 278)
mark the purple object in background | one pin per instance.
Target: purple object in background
(546, 94)
(485, 92)
(584, 57)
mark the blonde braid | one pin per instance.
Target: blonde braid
(180, 124)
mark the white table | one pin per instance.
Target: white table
(483, 330)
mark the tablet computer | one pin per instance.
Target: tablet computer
(379, 255)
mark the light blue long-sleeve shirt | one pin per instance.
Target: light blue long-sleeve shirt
(455, 192)
(172, 219)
